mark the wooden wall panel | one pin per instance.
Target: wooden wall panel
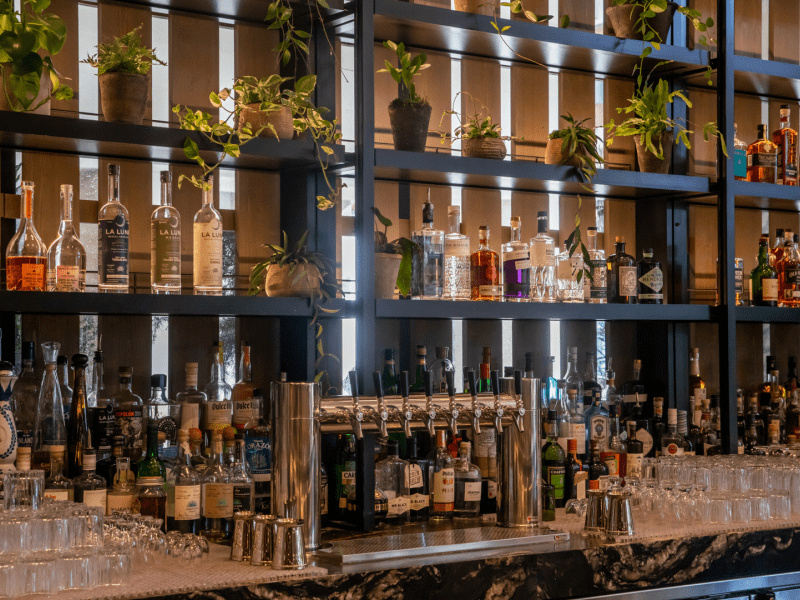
(703, 155)
(481, 207)
(194, 48)
(705, 337)
(127, 341)
(620, 220)
(749, 349)
(581, 13)
(48, 172)
(477, 335)
(748, 28)
(576, 96)
(531, 336)
(623, 152)
(64, 329)
(784, 23)
(66, 61)
(253, 53)
(439, 3)
(748, 117)
(258, 202)
(480, 79)
(529, 109)
(190, 340)
(709, 9)
(702, 252)
(265, 354)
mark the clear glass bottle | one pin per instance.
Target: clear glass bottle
(439, 369)
(615, 454)
(163, 413)
(62, 372)
(165, 242)
(456, 258)
(577, 422)
(57, 486)
(100, 410)
(785, 138)
(570, 289)
(390, 477)
(572, 379)
(427, 278)
(672, 441)
(66, 256)
(621, 276)
(218, 408)
(217, 495)
(26, 254)
(123, 490)
(113, 239)
(516, 266)
(207, 246)
(485, 270)
(762, 158)
(49, 428)
(417, 478)
(739, 156)
(543, 262)
(244, 409)
(697, 385)
(191, 395)
(89, 487)
(79, 435)
(650, 277)
(549, 386)
(244, 490)
(467, 484)
(441, 480)
(128, 415)
(25, 397)
(598, 286)
(597, 423)
(184, 485)
(591, 388)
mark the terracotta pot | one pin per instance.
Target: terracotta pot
(387, 267)
(123, 97)
(623, 20)
(478, 7)
(556, 154)
(648, 162)
(281, 120)
(45, 88)
(410, 125)
(302, 283)
(484, 147)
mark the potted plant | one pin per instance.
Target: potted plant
(479, 136)
(28, 41)
(479, 7)
(261, 106)
(289, 272)
(410, 114)
(574, 145)
(642, 19)
(123, 68)
(392, 261)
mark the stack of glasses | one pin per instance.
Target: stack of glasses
(142, 534)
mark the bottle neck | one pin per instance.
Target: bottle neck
(784, 120)
(191, 379)
(217, 374)
(763, 255)
(208, 196)
(125, 384)
(97, 377)
(152, 444)
(637, 373)
(27, 204)
(590, 373)
(658, 410)
(184, 453)
(572, 366)
(79, 391)
(218, 456)
(56, 466)
(694, 366)
(515, 234)
(244, 366)
(113, 187)
(465, 454)
(454, 223)
(241, 453)
(63, 374)
(591, 242)
(66, 212)
(166, 193)
(483, 240)
(673, 429)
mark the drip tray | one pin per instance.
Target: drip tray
(433, 543)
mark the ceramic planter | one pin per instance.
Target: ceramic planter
(387, 267)
(484, 147)
(281, 120)
(623, 20)
(556, 154)
(478, 7)
(410, 125)
(648, 162)
(123, 97)
(302, 283)
(45, 88)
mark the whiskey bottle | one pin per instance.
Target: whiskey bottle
(217, 495)
(128, 415)
(66, 256)
(554, 459)
(598, 471)
(739, 156)
(467, 484)
(789, 276)
(697, 385)
(26, 254)
(762, 158)
(650, 279)
(543, 263)
(569, 288)
(183, 491)
(207, 244)
(456, 259)
(427, 278)
(112, 239)
(598, 288)
(622, 275)
(89, 487)
(49, 428)
(244, 409)
(165, 242)
(79, 435)
(441, 480)
(217, 410)
(575, 474)
(785, 139)
(391, 477)
(764, 280)
(485, 270)
(776, 251)
(516, 266)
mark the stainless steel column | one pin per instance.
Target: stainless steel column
(519, 469)
(296, 455)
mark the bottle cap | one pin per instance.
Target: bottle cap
(98, 356)
(454, 209)
(158, 381)
(465, 444)
(89, 460)
(24, 452)
(779, 232)
(166, 176)
(126, 370)
(516, 221)
(113, 169)
(658, 400)
(552, 415)
(427, 211)
(572, 446)
(61, 360)
(422, 351)
(156, 481)
(191, 366)
(80, 361)
(672, 416)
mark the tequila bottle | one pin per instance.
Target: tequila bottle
(79, 435)
(543, 261)
(183, 491)
(516, 266)
(244, 409)
(66, 256)
(89, 487)
(217, 495)
(650, 277)
(764, 280)
(25, 397)
(441, 477)
(123, 490)
(49, 428)
(165, 242)
(162, 412)
(598, 290)
(207, 244)
(100, 410)
(26, 254)
(621, 275)
(785, 139)
(456, 259)
(428, 264)
(569, 288)
(128, 415)
(191, 395)
(762, 158)
(467, 484)
(739, 156)
(57, 486)
(485, 270)
(112, 239)
(243, 485)
(218, 408)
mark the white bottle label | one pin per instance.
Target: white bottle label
(654, 279)
(672, 450)
(245, 410)
(491, 290)
(68, 279)
(632, 398)
(217, 413)
(443, 490)
(578, 432)
(543, 254)
(57, 494)
(634, 465)
(399, 505)
(419, 501)
(187, 502)
(456, 247)
(491, 489)
(599, 431)
(627, 281)
(95, 498)
(414, 476)
(472, 491)
(218, 500)
(119, 502)
(208, 253)
(769, 289)
(516, 255)
(647, 440)
(568, 268)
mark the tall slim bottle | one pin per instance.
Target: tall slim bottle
(456, 258)
(208, 244)
(697, 385)
(26, 254)
(218, 408)
(244, 409)
(129, 415)
(25, 397)
(66, 256)
(49, 429)
(62, 371)
(100, 410)
(598, 286)
(785, 138)
(79, 436)
(112, 239)
(516, 266)
(183, 491)
(543, 263)
(217, 495)
(428, 262)
(165, 242)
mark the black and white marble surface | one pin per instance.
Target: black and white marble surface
(575, 569)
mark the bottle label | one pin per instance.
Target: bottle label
(32, 276)
(654, 280)
(738, 278)
(599, 429)
(113, 251)
(241, 497)
(414, 476)
(472, 491)
(218, 500)
(769, 289)
(217, 414)
(456, 247)
(165, 251)
(399, 505)
(323, 497)
(25, 438)
(517, 255)
(245, 410)
(634, 465)
(258, 452)
(95, 498)
(580, 478)
(578, 432)
(647, 440)
(419, 501)
(627, 281)
(443, 490)
(64, 278)
(102, 422)
(128, 424)
(672, 449)
(119, 502)
(568, 267)
(740, 163)
(598, 289)
(762, 159)
(491, 489)
(491, 290)
(542, 254)
(616, 463)
(555, 477)
(208, 253)
(57, 494)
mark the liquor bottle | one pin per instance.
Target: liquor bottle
(573, 381)
(484, 371)
(597, 423)
(62, 372)
(789, 277)
(57, 486)
(598, 471)
(616, 453)
(66, 256)
(258, 449)
(89, 487)
(128, 415)
(650, 279)
(207, 244)
(554, 459)
(112, 239)
(49, 428)
(549, 387)
(791, 377)
(417, 478)
(635, 452)
(776, 251)
(562, 415)
(658, 425)
(622, 275)
(165, 242)
(244, 488)
(164, 414)
(151, 465)
(441, 480)
(25, 397)
(122, 495)
(739, 156)
(696, 432)
(516, 266)
(26, 254)
(741, 423)
(633, 391)
(422, 366)
(467, 484)
(793, 415)
(100, 411)
(762, 158)
(543, 263)
(672, 441)
(217, 494)
(324, 491)
(598, 286)
(689, 447)
(345, 472)
(697, 385)
(485, 458)
(191, 400)
(79, 435)
(391, 478)
(439, 369)
(785, 139)
(456, 259)
(577, 424)
(575, 474)
(389, 375)
(591, 389)
(427, 278)
(485, 270)
(183, 491)
(107, 468)
(570, 289)
(217, 410)
(754, 411)
(242, 393)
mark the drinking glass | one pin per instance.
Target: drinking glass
(23, 489)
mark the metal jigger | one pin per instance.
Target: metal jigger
(596, 510)
(620, 518)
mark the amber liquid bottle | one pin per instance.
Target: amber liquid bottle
(785, 139)
(762, 159)
(485, 270)
(26, 254)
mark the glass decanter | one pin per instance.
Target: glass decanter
(66, 256)
(49, 429)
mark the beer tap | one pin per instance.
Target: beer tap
(518, 397)
(498, 409)
(451, 391)
(380, 415)
(476, 412)
(405, 416)
(430, 414)
(357, 415)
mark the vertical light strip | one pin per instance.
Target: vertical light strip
(552, 9)
(159, 357)
(226, 71)
(349, 267)
(508, 345)
(348, 352)
(347, 85)
(505, 208)
(88, 99)
(555, 347)
(553, 213)
(599, 15)
(599, 114)
(455, 87)
(457, 354)
(765, 30)
(505, 106)
(552, 105)
(160, 73)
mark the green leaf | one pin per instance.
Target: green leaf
(404, 275)
(564, 23)
(17, 47)
(384, 221)
(190, 149)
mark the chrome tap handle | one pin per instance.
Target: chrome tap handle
(381, 414)
(357, 415)
(450, 377)
(430, 411)
(518, 399)
(406, 415)
(498, 408)
(476, 412)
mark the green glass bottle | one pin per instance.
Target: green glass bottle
(484, 381)
(422, 366)
(151, 465)
(764, 279)
(554, 459)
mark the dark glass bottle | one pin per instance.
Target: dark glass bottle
(658, 425)
(791, 377)
(107, 468)
(419, 375)
(151, 465)
(764, 279)
(548, 502)
(598, 471)
(417, 482)
(650, 288)
(389, 375)
(554, 459)
(622, 278)
(574, 474)
(484, 381)
(751, 438)
(635, 452)
(741, 424)
(591, 389)
(79, 436)
(345, 473)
